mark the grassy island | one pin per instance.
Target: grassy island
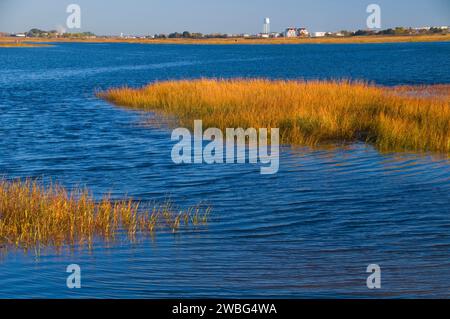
(307, 113)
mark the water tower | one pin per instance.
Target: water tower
(266, 26)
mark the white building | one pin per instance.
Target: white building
(318, 34)
(291, 33)
(303, 32)
(266, 26)
(296, 32)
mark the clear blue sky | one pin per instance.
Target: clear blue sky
(226, 16)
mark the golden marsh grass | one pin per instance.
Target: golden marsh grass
(33, 215)
(22, 45)
(307, 113)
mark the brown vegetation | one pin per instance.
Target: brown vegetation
(32, 215)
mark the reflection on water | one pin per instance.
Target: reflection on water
(309, 231)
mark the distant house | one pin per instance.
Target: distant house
(291, 33)
(296, 32)
(302, 32)
(318, 34)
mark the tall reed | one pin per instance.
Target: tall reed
(307, 113)
(34, 215)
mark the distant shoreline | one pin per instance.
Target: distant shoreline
(322, 40)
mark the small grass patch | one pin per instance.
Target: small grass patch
(33, 215)
(22, 45)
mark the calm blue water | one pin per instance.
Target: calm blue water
(309, 231)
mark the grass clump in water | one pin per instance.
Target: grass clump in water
(32, 215)
(22, 45)
(307, 113)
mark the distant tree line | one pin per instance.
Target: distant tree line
(399, 31)
(78, 35)
(189, 35)
(390, 31)
(37, 33)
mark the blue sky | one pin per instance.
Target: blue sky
(226, 16)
